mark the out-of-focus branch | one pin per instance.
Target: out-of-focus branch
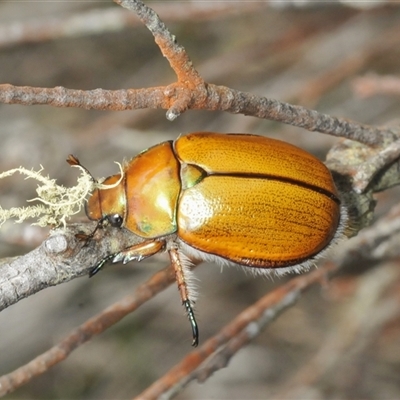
(372, 84)
(111, 19)
(244, 328)
(366, 316)
(94, 326)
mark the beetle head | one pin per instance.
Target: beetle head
(108, 203)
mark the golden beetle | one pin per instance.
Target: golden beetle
(232, 198)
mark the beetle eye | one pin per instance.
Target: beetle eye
(115, 220)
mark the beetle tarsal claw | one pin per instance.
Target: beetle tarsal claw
(193, 323)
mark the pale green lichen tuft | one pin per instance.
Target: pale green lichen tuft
(57, 203)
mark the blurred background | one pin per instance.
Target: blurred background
(306, 53)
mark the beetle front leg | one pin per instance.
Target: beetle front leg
(100, 265)
(137, 252)
(180, 267)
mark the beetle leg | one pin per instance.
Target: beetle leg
(100, 265)
(137, 252)
(179, 267)
(193, 323)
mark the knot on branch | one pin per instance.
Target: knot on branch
(185, 95)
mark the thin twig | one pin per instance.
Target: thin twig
(171, 50)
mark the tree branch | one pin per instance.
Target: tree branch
(177, 98)
(60, 258)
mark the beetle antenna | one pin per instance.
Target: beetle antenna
(74, 162)
(193, 323)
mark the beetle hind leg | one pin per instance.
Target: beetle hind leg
(181, 265)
